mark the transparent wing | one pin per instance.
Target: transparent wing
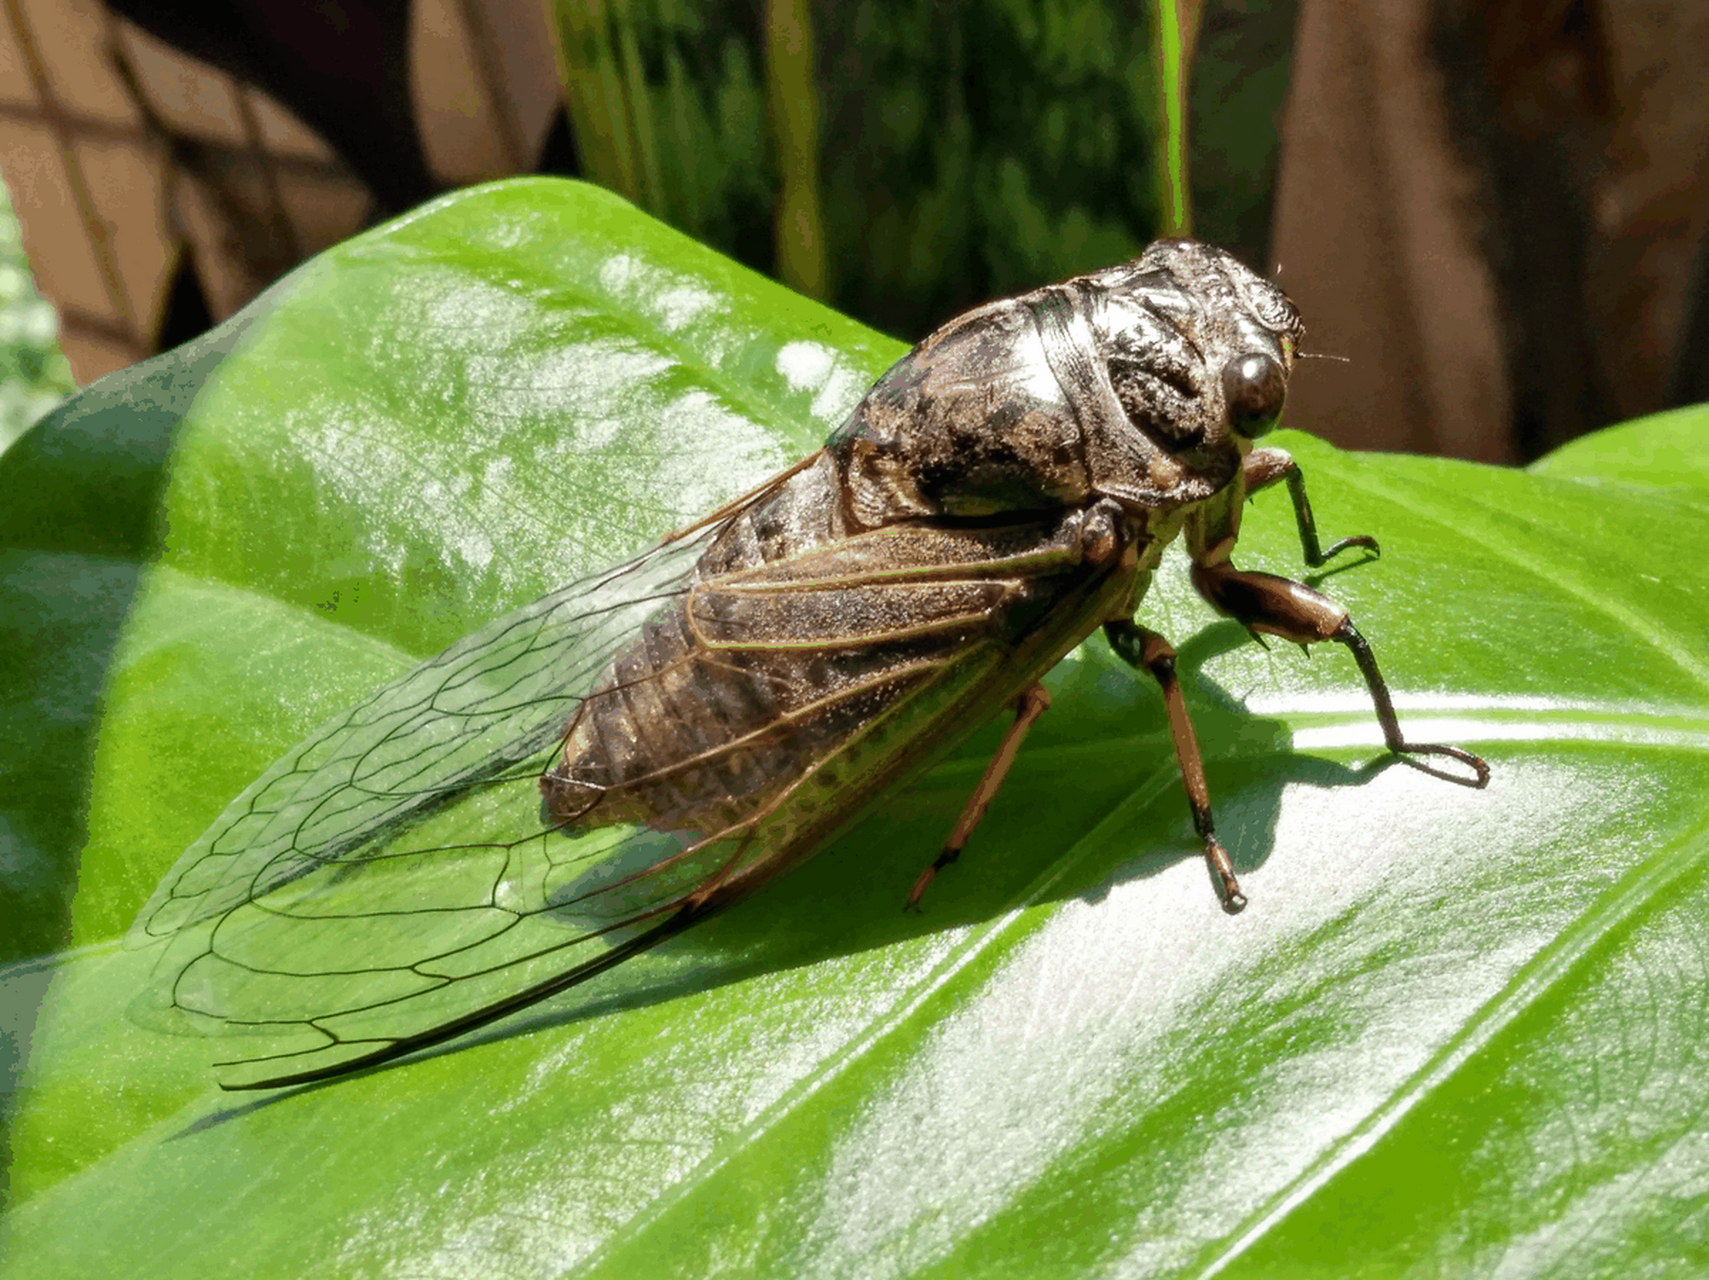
(389, 882)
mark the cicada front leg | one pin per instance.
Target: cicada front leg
(1263, 468)
(1269, 605)
(1266, 604)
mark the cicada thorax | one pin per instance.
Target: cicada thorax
(1112, 385)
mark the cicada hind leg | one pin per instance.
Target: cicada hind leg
(1032, 704)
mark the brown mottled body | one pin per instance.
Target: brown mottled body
(722, 708)
(795, 671)
(1002, 492)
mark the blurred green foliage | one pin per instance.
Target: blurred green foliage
(34, 376)
(976, 151)
(958, 152)
(955, 152)
(963, 151)
(668, 107)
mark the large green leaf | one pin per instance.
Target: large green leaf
(1455, 1031)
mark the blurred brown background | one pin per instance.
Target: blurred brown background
(1495, 213)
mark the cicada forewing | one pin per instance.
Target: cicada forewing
(393, 881)
(392, 874)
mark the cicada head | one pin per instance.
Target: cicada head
(1198, 349)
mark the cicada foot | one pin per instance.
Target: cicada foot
(927, 876)
(1348, 635)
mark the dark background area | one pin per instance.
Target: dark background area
(1493, 214)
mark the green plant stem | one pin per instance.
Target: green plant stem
(794, 102)
(597, 96)
(1177, 33)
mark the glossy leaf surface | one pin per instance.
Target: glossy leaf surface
(1455, 1032)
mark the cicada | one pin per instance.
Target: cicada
(616, 762)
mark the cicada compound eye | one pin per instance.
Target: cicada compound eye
(1254, 386)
